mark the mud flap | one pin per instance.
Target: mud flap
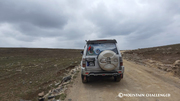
(121, 76)
(85, 78)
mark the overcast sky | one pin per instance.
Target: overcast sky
(68, 23)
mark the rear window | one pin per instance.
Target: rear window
(96, 48)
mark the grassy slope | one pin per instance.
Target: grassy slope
(24, 72)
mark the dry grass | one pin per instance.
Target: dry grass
(165, 54)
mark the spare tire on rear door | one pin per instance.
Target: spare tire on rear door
(108, 60)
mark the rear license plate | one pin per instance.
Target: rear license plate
(90, 64)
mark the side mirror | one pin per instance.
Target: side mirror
(82, 52)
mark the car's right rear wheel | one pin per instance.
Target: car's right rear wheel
(117, 78)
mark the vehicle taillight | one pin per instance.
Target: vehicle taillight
(121, 62)
(119, 72)
(84, 63)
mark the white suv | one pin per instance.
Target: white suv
(101, 58)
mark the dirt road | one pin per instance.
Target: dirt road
(137, 79)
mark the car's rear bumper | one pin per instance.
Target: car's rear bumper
(102, 73)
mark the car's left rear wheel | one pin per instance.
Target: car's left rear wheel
(84, 78)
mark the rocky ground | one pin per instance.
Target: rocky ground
(58, 93)
(166, 58)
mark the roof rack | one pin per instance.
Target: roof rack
(101, 41)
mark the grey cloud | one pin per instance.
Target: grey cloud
(138, 23)
(31, 30)
(38, 14)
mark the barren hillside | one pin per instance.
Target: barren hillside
(163, 57)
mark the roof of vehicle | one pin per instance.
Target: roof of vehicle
(101, 41)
